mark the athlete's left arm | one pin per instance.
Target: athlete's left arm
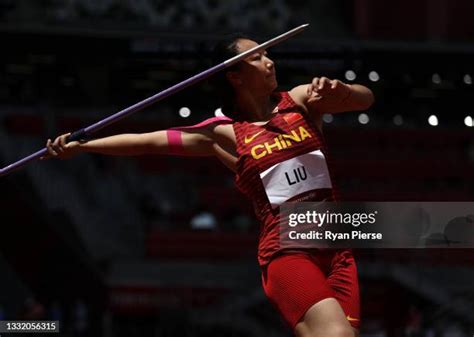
(324, 95)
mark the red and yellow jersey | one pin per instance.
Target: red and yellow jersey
(282, 160)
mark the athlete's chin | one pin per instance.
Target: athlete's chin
(272, 85)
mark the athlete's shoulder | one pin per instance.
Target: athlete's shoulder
(209, 123)
(215, 121)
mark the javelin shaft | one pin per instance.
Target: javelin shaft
(85, 132)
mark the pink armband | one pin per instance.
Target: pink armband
(175, 142)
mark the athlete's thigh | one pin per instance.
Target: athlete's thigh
(344, 282)
(294, 283)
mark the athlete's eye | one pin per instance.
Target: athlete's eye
(255, 57)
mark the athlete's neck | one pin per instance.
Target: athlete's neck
(255, 108)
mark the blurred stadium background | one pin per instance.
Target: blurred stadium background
(163, 246)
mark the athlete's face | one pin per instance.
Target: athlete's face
(256, 73)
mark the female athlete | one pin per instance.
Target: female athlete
(269, 135)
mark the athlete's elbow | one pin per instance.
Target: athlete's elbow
(370, 98)
(367, 100)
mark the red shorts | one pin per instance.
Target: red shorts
(295, 281)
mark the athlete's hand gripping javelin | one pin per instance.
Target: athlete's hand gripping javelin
(60, 148)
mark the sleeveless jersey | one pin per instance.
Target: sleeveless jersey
(282, 160)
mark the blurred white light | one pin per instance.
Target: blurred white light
(363, 118)
(398, 120)
(436, 78)
(185, 112)
(218, 112)
(468, 121)
(374, 76)
(350, 75)
(433, 120)
(328, 118)
(467, 79)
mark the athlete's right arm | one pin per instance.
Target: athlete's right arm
(192, 142)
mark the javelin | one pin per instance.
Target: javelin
(85, 132)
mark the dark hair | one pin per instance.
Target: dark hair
(222, 51)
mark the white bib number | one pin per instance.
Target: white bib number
(295, 176)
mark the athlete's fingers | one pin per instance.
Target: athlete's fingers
(57, 145)
(62, 140)
(48, 145)
(316, 82)
(46, 156)
(335, 84)
(51, 151)
(312, 86)
(324, 82)
(313, 90)
(314, 98)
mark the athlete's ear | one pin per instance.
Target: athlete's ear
(234, 78)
